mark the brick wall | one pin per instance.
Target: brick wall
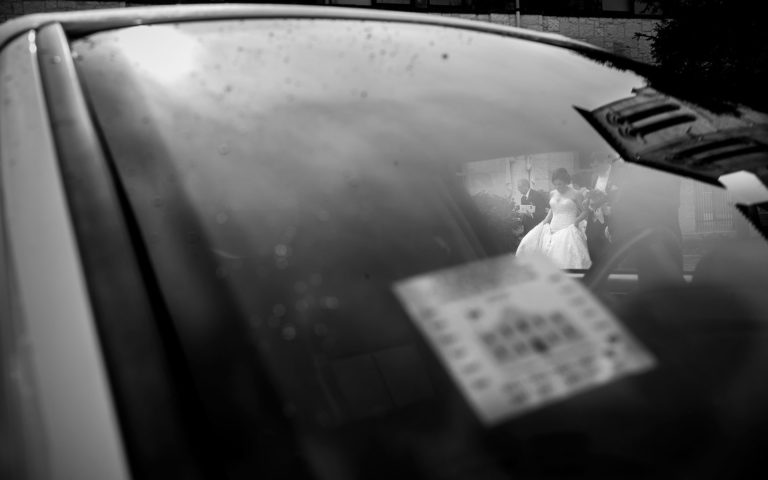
(14, 8)
(619, 35)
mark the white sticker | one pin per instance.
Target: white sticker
(529, 209)
(745, 187)
(516, 333)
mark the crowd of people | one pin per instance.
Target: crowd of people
(581, 223)
(572, 223)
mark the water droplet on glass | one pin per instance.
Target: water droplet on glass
(316, 279)
(158, 202)
(56, 59)
(279, 310)
(289, 332)
(301, 287)
(221, 218)
(321, 330)
(290, 232)
(281, 250)
(331, 302)
(363, 94)
(445, 56)
(224, 149)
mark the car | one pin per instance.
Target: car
(280, 242)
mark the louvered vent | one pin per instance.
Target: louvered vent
(659, 131)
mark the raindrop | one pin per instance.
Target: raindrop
(281, 250)
(289, 332)
(331, 302)
(221, 218)
(316, 279)
(279, 310)
(56, 59)
(301, 287)
(290, 232)
(224, 149)
(228, 88)
(321, 330)
(445, 56)
(158, 202)
(363, 94)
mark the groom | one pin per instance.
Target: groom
(538, 199)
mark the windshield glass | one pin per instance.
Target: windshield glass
(301, 168)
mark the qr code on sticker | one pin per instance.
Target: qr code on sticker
(517, 333)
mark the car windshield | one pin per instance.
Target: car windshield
(301, 168)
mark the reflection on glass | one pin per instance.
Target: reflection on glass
(620, 200)
(165, 53)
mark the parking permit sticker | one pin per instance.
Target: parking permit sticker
(516, 333)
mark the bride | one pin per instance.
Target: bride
(559, 235)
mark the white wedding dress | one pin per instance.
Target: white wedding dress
(561, 240)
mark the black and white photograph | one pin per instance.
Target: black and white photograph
(383, 239)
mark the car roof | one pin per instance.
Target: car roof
(80, 23)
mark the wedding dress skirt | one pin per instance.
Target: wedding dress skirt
(562, 241)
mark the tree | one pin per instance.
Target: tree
(720, 43)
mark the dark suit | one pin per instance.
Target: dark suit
(597, 242)
(540, 201)
(642, 199)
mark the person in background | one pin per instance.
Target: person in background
(539, 200)
(598, 204)
(597, 221)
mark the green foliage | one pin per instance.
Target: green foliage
(504, 223)
(720, 44)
